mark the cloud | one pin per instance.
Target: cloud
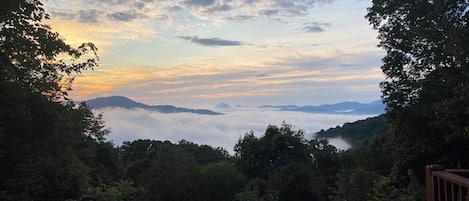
(270, 12)
(219, 8)
(88, 16)
(241, 18)
(220, 130)
(298, 79)
(199, 2)
(316, 27)
(66, 15)
(215, 11)
(123, 15)
(175, 8)
(139, 5)
(262, 75)
(211, 41)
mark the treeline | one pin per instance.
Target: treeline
(279, 165)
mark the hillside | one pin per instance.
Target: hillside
(124, 102)
(357, 132)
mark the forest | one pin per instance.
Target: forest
(52, 148)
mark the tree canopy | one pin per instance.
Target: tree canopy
(426, 89)
(50, 147)
(421, 38)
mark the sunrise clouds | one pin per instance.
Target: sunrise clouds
(198, 53)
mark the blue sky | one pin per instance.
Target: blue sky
(197, 53)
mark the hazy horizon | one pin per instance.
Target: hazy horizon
(215, 130)
(199, 53)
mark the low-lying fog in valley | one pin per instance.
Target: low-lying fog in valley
(215, 130)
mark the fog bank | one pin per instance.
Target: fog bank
(214, 130)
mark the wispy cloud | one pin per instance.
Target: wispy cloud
(316, 27)
(88, 16)
(211, 41)
(284, 80)
(157, 50)
(226, 9)
(199, 2)
(125, 16)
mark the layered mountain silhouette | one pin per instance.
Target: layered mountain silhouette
(124, 102)
(376, 107)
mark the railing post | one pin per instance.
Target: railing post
(429, 187)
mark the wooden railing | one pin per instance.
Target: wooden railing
(446, 184)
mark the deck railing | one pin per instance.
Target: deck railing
(446, 184)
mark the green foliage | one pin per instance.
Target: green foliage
(360, 169)
(357, 132)
(203, 154)
(373, 155)
(172, 175)
(183, 171)
(282, 165)
(220, 181)
(420, 38)
(385, 190)
(121, 191)
(258, 189)
(51, 148)
(326, 165)
(30, 50)
(279, 146)
(353, 185)
(426, 89)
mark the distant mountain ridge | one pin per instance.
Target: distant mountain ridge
(375, 107)
(124, 102)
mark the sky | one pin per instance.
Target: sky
(198, 53)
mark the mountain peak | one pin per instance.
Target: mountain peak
(127, 103)
(223, 106)
(115, 101)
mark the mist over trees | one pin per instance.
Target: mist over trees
(52, 148)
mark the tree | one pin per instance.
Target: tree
(47, 144)
(426, 89)
(326, 164)
(420, 38)
(361, 168)
(204, 154)
(30, 49)
(353, 185)
(279, 146)
(172, 175)
(220, 181)
(278, 164)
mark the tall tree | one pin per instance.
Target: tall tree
(279, 165)
(48, 145)
(30, 49)
(172, 175)
(426, 89)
